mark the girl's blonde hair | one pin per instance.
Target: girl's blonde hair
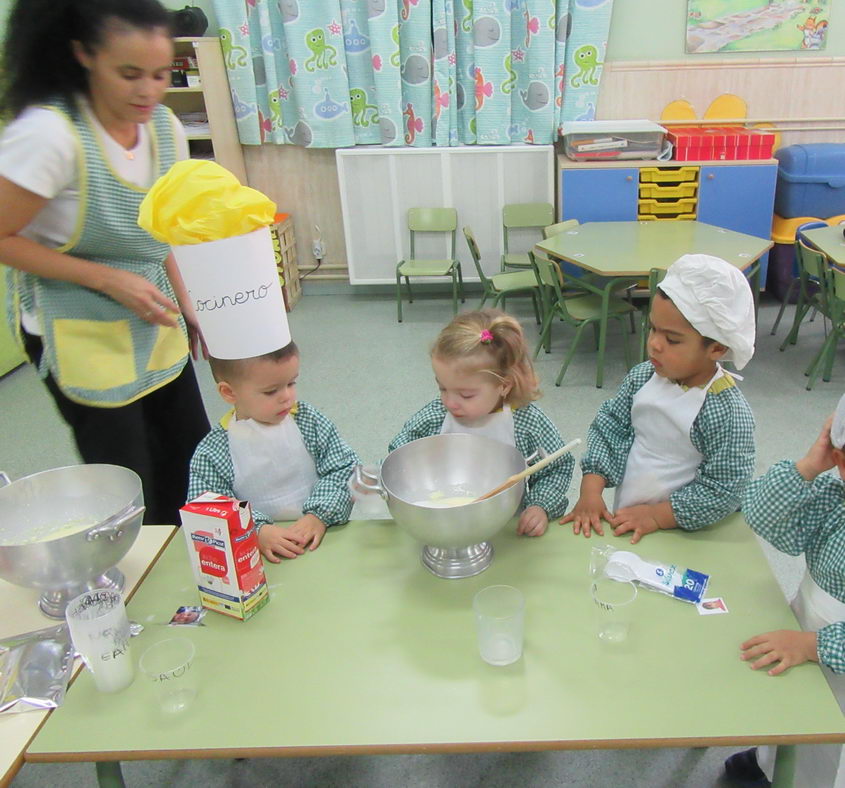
(489, 340)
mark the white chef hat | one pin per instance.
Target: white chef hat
(236, 292)
(716, 299)
(837, 429)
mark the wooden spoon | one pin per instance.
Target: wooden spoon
(529, 470)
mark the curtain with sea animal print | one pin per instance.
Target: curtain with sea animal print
(336, 73)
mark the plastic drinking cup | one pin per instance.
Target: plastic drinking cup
(613, 605)
(99, 629)
(500, 617)
(168, 665)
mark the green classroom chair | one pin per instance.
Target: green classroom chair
(796, 275)
(831, 297)
(812, 290)
(578, 310)
(500, 286)
(523, 216)
(430, 220)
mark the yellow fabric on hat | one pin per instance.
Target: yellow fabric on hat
(198, 201)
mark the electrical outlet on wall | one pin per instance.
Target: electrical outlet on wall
(318, 248)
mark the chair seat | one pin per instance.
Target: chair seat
(420, 267)
(588, 307)
(518, 280)
(517, 258)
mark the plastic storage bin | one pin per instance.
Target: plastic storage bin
(811, 180)
(668, 174)
(607, 140)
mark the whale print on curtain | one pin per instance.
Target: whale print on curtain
(336, 73)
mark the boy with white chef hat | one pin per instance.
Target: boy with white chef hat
(677, 440)
(282, 455)
(800, 509)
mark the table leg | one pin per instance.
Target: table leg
(784, 773)
(109, 774)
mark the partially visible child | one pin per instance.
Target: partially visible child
(487, 387)
(800, 509)
(677, 440)
(283, 456)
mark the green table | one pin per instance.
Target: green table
(829, 240)
(361, 650)
(643, 249)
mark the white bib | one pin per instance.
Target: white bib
(498, 426)
(273, 469)
(662, 458)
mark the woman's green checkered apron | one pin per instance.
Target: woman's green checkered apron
(98, 351)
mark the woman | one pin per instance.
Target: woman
(93, 296)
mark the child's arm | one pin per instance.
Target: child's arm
(609, 440)
(792, 500)
(424, 423)
(211, 470)
(330, 501)
(545, 497)
(724, 434)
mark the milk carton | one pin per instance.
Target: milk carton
(223, 549)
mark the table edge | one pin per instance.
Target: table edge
(429, 748)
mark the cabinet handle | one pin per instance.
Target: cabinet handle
(629, 177)
(710, 177)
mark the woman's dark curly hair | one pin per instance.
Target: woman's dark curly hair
(38, 62)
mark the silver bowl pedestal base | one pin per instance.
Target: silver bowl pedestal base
(456, 562)
(53, 603)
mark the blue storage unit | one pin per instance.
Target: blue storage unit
(811, 180)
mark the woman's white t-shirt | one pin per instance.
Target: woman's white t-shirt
(38, 152)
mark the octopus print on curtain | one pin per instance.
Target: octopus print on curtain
(335, 73)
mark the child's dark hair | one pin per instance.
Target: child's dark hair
(489, 340)
(228, 370)
(38, 63)
(706, 341)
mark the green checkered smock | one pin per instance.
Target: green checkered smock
(533, 430)
(723, 432)
(212, 469)
(800, 517)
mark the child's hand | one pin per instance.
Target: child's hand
(588, 514)
(275, 541)
(639, 519)
(307, 530)
(789, 647)
(819, 457)
(533, 521)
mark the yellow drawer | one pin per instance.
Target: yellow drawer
(668, 174)
(687, 205)
(647, 217)
(670, 191)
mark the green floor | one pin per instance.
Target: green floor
(368, 374)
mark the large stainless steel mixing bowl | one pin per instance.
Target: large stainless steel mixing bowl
(453, 465)
(105, 501)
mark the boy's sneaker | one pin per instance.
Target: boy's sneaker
(742, 768)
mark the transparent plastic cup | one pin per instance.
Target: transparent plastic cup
(614, 602)
(368, 505)
(169, 667)
(499, 617)
(99, 629)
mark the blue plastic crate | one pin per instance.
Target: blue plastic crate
(811, 180)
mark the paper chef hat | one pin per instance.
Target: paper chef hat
(837, 428)
(219, 234)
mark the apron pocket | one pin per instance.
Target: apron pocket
(93, 354)
(170, 348)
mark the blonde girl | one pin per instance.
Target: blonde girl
(487, 387)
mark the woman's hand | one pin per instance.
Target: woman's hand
(140, 296)
(195, 336)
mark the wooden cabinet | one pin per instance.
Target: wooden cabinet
(736, 195)
(217, 139)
